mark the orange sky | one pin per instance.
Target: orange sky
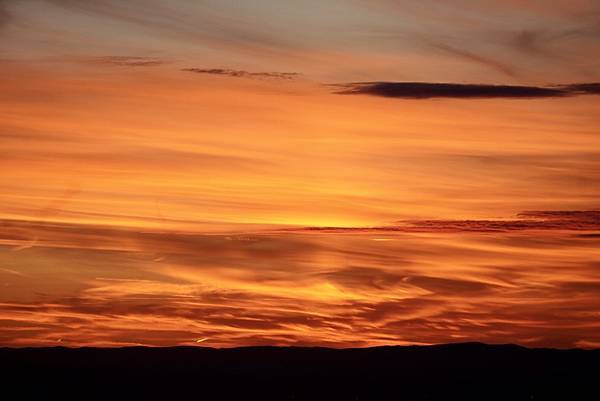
(168, 172)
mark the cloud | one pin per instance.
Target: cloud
(4, 14)
(439, 285)
(532, 42)
(592, 235)
(381, 279)
(533, 38)
(581, 215)
(243, 74)
(477, 58)
(364, 277)
(591, 287)
(194, 22)
(134, 157)
(428, 90)
(584, 88)
(575, 220)
(108, 287)
(124, 61)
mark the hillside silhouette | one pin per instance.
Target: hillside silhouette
(467, 371)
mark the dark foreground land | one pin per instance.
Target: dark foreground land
(469, 371)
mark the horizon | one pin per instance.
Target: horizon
(301, 347)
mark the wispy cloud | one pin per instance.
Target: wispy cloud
(123, 61)
(109, 287)
(243, 74)
(4, 14)
(584, 88)
(194, 22)
(529, 220)
(501, 67)
(427, 90)
(531, 42)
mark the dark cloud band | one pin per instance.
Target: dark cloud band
(427, 90)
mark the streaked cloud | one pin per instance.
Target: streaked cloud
(124, 61)
(336, 289)
(426, 90)
(584, 88)
(4, 14)
(499, 66)
(196, 23)
(243, 74)
(531, 220)
(532, 42)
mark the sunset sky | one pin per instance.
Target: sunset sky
(339, 173)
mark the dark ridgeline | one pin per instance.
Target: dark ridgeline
(469, 371)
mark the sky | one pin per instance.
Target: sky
(342, 173)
